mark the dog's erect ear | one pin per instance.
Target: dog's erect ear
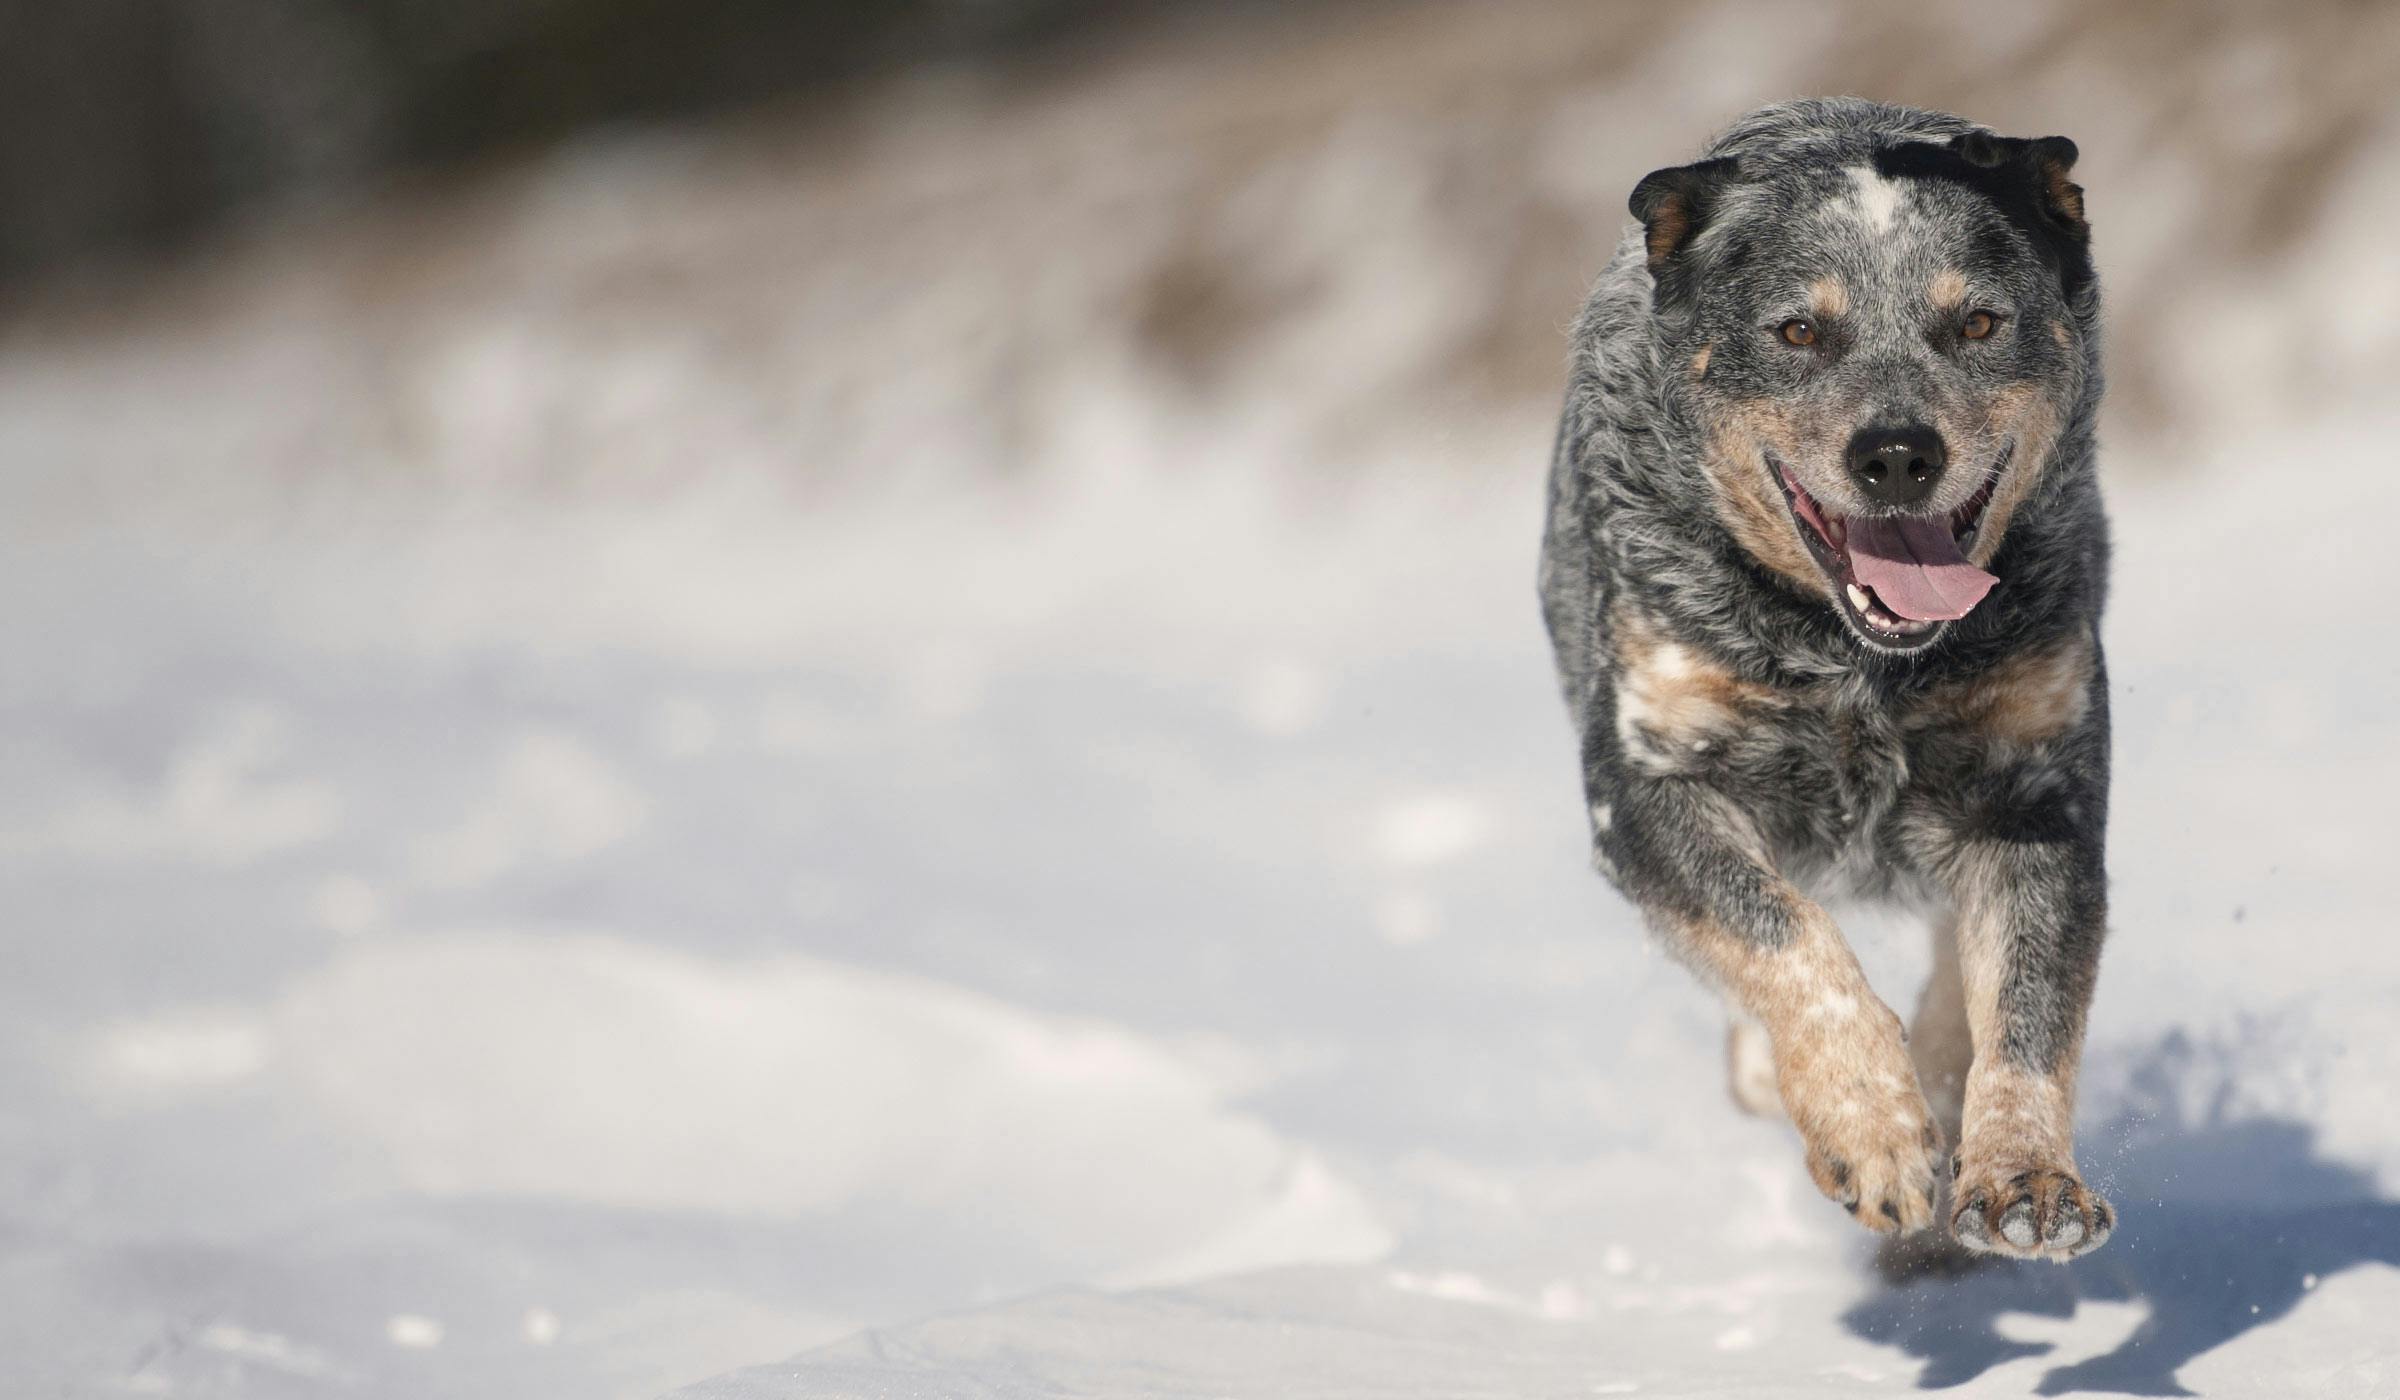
(2043, 162)
(1674, 205)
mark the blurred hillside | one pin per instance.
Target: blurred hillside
(125, 124)
(1396, 207)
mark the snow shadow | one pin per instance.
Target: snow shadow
(2227, 1222)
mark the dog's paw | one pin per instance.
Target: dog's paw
(1883, 1173)
(2029, 1212)
(1873, 1147)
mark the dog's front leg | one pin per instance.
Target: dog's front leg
(1695, 864)
(2030, 920)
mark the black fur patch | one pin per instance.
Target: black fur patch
(2022, 178)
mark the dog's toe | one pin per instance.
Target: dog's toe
(2016, 1223)
(2066, 1226)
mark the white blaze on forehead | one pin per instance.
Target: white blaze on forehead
(1876, 199)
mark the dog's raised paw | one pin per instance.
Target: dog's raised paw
(2035, 1213)
(1882, 1167)
(1873, 1147)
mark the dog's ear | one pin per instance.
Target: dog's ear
(2042, 163)
(1674, 204)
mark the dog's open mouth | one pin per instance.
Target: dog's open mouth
(1900, 577)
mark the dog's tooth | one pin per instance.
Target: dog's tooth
(1858, 597)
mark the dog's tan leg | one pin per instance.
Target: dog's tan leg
(2028, 936)
(1939, 1040)
(1695, 861)
(1841, 1071)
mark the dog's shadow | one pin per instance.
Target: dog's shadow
(2227, 1223)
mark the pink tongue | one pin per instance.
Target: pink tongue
(1914, 566)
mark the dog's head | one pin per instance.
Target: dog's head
(1880, 347)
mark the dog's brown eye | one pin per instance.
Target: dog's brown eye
(1978, 325)
(1797, 331)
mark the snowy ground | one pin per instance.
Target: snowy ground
(623, 771)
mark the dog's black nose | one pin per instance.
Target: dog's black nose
(1900, 466)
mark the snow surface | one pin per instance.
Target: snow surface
(626, 771)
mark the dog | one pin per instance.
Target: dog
(1823, 568)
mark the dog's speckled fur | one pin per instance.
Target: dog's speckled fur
(1748, 743)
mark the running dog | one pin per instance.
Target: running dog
(1824, 567)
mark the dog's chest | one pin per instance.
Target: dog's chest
(1820, 777)
(1817, 770)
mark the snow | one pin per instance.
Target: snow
(703, 760)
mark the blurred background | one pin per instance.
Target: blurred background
(686, 678)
